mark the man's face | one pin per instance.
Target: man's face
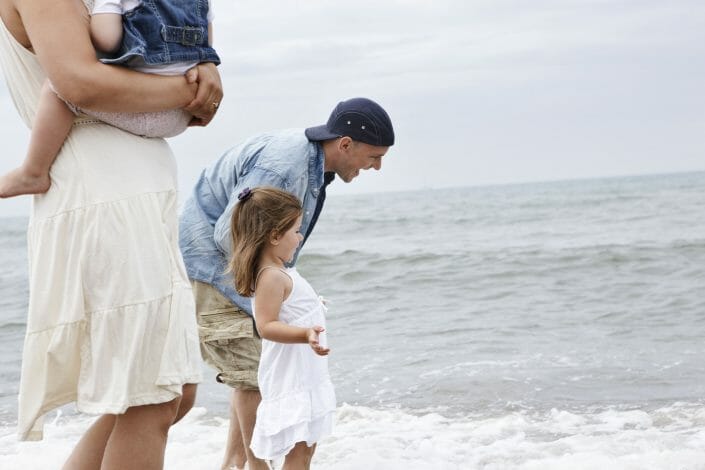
(359, 156)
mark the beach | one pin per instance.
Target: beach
(554, 325)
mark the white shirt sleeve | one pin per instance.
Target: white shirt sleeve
(121, 6)
(107, 6)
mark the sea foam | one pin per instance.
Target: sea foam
(670, 437)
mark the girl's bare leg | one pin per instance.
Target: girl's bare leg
(312, 450)
(114, 434)
(52, 125)
(299, 458)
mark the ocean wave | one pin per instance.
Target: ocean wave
(669, 437)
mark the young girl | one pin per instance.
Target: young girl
(147, 36)
(298, 400)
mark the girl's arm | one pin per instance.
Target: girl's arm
(59, 33)
(273, 286)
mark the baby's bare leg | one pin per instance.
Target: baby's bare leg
(51, 126)
(106, 32)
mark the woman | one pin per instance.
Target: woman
(110, 323)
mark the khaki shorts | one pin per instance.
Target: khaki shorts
(229, 342)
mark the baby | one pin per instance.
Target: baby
(160, 37)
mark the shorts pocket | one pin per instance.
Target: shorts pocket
(221, 326)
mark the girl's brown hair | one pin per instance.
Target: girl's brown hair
(260, 214)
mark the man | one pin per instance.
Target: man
(356, 137)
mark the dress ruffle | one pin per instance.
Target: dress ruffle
(298, 398)
(111, 322)
(300, 416)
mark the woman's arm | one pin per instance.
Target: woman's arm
(59, 33)
(209, 94)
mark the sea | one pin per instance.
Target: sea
(556, 325)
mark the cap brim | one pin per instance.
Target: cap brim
(319, 133)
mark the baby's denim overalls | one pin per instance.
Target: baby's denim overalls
(165, 32)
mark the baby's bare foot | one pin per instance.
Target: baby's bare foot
(19, 182)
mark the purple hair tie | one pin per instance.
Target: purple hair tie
(244, 195)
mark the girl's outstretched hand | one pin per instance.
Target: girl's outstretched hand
(209, 94)
(313, 336)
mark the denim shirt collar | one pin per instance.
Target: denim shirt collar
(315, 170)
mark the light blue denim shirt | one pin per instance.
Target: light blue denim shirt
(284, 159)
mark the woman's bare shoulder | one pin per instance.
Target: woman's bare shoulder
(13, 22)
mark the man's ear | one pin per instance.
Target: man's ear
(344, 143)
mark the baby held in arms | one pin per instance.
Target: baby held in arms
(136, 35)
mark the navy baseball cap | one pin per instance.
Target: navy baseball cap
(360, 119)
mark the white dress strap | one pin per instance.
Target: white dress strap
(259, 273)
(23, 75)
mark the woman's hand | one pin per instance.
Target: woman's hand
(312, 336)
(209, 94)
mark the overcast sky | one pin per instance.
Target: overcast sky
(480, 92)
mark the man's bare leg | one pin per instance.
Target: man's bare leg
(245, 402)
(235, 454)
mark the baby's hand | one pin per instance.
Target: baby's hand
(313, 341)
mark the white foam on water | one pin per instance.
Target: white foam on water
(672, 437)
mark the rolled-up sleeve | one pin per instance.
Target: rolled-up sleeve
(256, 177)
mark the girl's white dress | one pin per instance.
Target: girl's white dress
(298, 399)
(111, 320)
